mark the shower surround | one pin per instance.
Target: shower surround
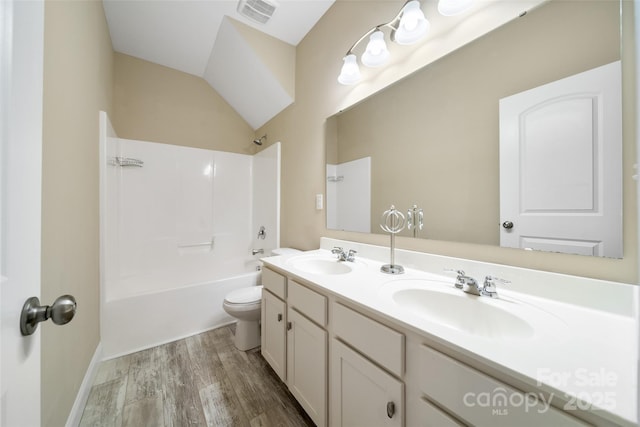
(178, 225)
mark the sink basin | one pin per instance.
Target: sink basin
(441, 303)
(321, 265)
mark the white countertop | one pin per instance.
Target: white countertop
(576, 351)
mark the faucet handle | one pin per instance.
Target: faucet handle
(460, 278)
(489, 287)
(352, 255)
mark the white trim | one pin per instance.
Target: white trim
(636, 67)
(85, 388)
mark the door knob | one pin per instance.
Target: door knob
(60, 312)
(508, 225)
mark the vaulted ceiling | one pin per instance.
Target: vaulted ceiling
(250, 64)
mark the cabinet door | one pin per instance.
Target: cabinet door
(307, 365)
(273, 330)
(361, 393)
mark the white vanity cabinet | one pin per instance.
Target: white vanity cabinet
(350, 365)
(307, 365)
(273, 338)
(367, 362)
(294, 340)
(362, 394)
(307, 349)
(273, 322)
(481, 400)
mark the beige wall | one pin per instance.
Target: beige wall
(301, 128)
(278, 56)
(78, 76)
(156, 103)
(434, 136)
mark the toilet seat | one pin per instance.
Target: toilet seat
(248, 296)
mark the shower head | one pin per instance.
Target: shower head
(258, 141)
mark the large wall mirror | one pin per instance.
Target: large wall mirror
(433, 139)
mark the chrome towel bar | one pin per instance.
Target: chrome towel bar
(192, 245)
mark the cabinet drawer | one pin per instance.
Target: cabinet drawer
(378, 342)
(274, 282)
(308, 302)
(481, 400)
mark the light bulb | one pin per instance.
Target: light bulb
(350, 72)
(376, 53)
(410, 22)
(453, 7)
(413, 25)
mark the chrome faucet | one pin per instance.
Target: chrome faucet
(470, 285)
(257, 251)
(344, 256)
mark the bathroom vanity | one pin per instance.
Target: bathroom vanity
(357, 346)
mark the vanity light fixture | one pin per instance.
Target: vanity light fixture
(408, 27)
(453, 7)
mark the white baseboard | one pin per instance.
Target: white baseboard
(85, 388)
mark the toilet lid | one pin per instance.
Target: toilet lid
(246, 295)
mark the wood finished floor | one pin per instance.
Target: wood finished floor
(202, 380)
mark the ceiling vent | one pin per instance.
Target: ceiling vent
(257, 10)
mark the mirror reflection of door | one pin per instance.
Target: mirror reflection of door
(561, 165)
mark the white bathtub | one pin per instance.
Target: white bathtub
(137, 322)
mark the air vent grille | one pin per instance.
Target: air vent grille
(257, 10)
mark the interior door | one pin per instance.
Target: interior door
(561, 165)
(21, 62)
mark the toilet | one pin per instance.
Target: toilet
(244, 304)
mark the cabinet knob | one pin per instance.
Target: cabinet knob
(279, 317)
(391, 409)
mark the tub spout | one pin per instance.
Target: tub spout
(257, 251)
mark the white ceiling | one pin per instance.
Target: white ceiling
(181, 34)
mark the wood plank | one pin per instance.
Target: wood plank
(281, 403)
(112, 369)
(182, 406)
(200, 380)
(205, 362)
(145, 380)
(245, 384)
(105, 404)
(144, 413)
(222, 336)
(275, 417)
(221, 404)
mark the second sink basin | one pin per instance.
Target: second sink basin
(464, 312)
(479, 316)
